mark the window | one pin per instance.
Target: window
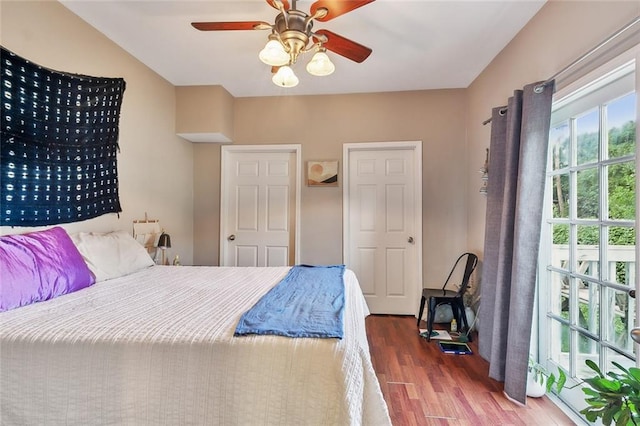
(588, 248)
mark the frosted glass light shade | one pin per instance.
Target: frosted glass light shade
(274, 54)
(285, 77)
(320, 65)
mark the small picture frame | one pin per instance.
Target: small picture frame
(322, 173)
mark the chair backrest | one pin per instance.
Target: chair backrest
(470, 265)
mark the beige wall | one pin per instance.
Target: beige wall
(560, 33)
(204, 113)
(154, 165)
(322, 124)
(185, 196)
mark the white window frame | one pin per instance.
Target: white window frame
(575, 397)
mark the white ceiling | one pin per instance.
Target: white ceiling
(417, 44)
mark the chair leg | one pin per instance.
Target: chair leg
(422, 300)
(432, 315)
(463, 314)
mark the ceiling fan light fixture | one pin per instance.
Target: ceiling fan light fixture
(273, 53)
(292, 34)
(320, 64)
(285, 77)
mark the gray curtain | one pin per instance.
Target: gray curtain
(517, 166)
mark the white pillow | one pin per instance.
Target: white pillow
(111, 255)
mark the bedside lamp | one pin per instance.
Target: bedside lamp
(164, 242)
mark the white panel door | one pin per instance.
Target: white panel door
(258, 207)
(383, 223)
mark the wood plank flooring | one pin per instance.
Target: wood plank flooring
(423, 386)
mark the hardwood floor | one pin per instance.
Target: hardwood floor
(423, 386)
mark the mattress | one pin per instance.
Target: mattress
(157, 348)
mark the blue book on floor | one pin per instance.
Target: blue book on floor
(457, 348)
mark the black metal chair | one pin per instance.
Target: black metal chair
(454, 298)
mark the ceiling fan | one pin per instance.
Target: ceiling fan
(292, 34)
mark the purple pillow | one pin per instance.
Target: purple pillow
(38, 266)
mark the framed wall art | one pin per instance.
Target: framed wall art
(322, 173)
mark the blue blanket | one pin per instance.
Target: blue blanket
(308, 302)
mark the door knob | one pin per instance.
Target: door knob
(410, 240)
(231, 237)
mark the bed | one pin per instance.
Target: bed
(157, 346)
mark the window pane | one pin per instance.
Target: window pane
(621, 126)
(621, 308)
(560, 247)
(587, 349)
(559, 297)
(588, 250)
(587, 131)
(559, 343)
(588, 262)
(622, 191)
(612, 356)
(559, 138)
(560, 190)
(560, 243)
(589, 306)
(588, 194)
(621, 252)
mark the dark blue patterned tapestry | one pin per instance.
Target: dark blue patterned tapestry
(59, 144)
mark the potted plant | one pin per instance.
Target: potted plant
(540, 381)
(614, 397)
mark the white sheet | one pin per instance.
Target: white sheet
(157, 347)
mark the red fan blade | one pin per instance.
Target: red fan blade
(336, 7)
(225, 26)
(344, 47)
(285, 3)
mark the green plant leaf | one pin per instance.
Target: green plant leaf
(635, 386)
(619, 367)
(589, 415)
(592, 365)
(623, 419)
(615, 376)
(562, 379)
(635, 373)
(606, 385)
(607, 416)
(550, 381)
(590, 391)
(598, 403)
(592, 417)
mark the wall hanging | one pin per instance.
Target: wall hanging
(59, 140)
